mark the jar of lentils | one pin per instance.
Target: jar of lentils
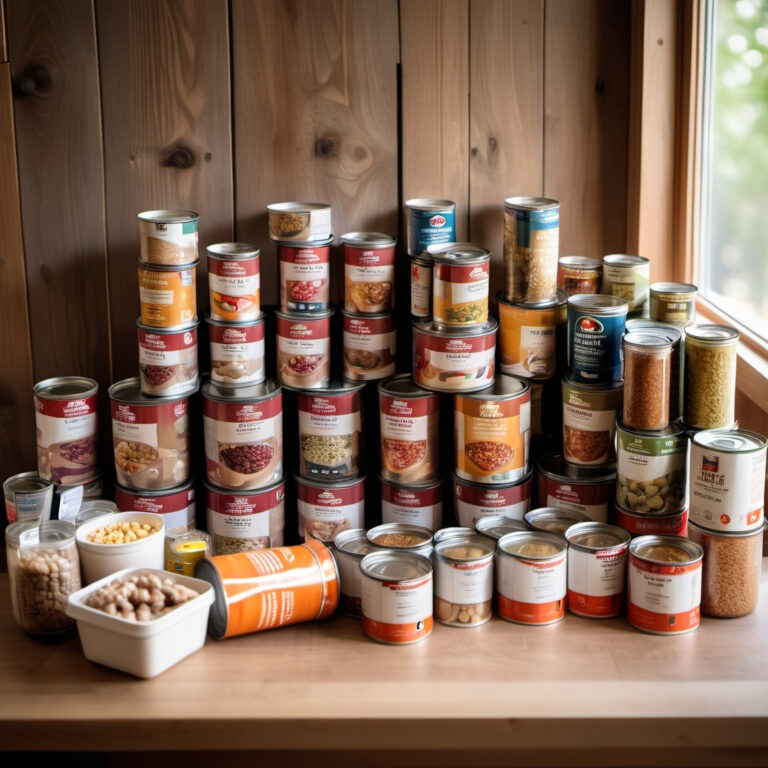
(579, 274)
(647, 374)
(43, 571)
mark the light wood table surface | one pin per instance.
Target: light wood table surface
(579, 692)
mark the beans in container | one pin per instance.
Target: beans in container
(627, 277)
(584, 489)
(531, 244)
(305, 276)
(237, 352)
(429, 222)
(579, 274)
(167, 295)
(589, 421)
(369, 272)
(531, 339)
(27, 497)
(673, 303)
(396, 597)
(531, 570)
(244, 521)
(271, 588)
(369, 346)
(167, 360)
(304, 349)
(168, 237)
(597, 561)
(454, 361)
(647, 372)
(460, 284)
(496, 526)
(176, 505)
(234, 282)
(664, 584)
(299, 221)
(463, 585)
(243, 432)
(652, 470)
(553, 519)
(415, 503)
(349, 548)
(403, 537)
(327, 508)
(641, 523)
(595, 329)
(409, 423)
(728, 480)
(421, 286)
(67, 429)
(475, 501)
(492, 432)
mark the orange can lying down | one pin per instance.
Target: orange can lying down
(270, 588)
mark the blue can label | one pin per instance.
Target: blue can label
(430, 228)
(594, 347)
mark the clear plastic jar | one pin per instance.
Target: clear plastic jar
(43, 571)
(647, 375)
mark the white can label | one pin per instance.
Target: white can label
(664, 601)
(234, 286)
(239, 533)
(468, 514)
(596, 512)
(397, 612)
(140, 433)
(349, 574)
(464, 583)
(532, 581)
(217, 433)
(596, 581)
(325, 523)
(428, 517)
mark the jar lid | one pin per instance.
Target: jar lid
(647, 341)
(713, 335)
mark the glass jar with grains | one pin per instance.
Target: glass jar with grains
(579, 274)
(647, 373)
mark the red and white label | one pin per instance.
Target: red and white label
(141, 423)
(244, 345)
(406, 419)
(531, 591)
(658, 525)
(366, 265)
(421, 290)
(325, 511)
(596, 581)
(178, 509)
(397, 613)
(303, 264)
(461, 284)
(464, 583)
(304, 337)
(593, 499)
(165, 349)
(472, 502)
(402, 504)
(233, 269)
(329, 415)
(453, 364)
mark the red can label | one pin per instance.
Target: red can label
(473, 502)
(593, 499)
(369, 347)
(453, 364)
(168, 362)
(369, 279)
(326, 511)
(305, 276)
(177, 508)
(237, 353)
(304, 352)
(640, 525)
(412, 505)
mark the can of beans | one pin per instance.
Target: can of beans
(328, 508)
(234, 282)
(531, 570)
(627, 277)
(305, 276)
(168, 237)
(641, 524)
(27, 497)
(299, 221)
(475, 501)
(396, 596)
(237, 352)
(579, 274)
(176, 505)
(664, 584)
(369, 272)
(597, 561)
(421, 286)
(67, 429)
(409, 419)
(369, 346)
(492, 432)
(728, 480)
(553, 519)
(270, 588)
(415, 503)
(429, 222)
(330, 431)
(673, 303)
(167, 360)
(167, 295)
(497, 526)
(460, 283)
(304, 349)
(589, 490)
(349, 548)
(403, 537)
(595, 329)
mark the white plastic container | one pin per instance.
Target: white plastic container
(144, 649)
(99, 560)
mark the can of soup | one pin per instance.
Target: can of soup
(234, 282)
(326, 508)
(167, 295)
(627, 277)
(369, 272)
(429, 222)
(589, 421)
(168, 237)
(460, 283)
(589, 490)
(299, 221)
(304, 349)
(369, 346)
(595, 328)
(167, 360)
(237, 352)
(475, 501)
(305, 276)
(415, 503)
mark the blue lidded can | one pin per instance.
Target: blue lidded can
(596, 324)
(429, 222)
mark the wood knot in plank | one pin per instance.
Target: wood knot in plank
(178, 157)
(327, 147)
(35, 80)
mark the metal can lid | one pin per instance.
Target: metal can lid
(503, 388)
(463, 257)
(599, 304)
(25, 482)
(337, 388)
(581, 386)
(531, 203)
(402, 385)
(664, 549)
(66, 387)
(169, 331)
(94, 508)
(371, 240)
(532, 545)
(535, 306)
(182, 488)
(347, 482)
(428, 485)
(296, 207)
(625, 260)
(151, 267)
(304, 317)
(730, 441)
(436, 249)
(554, 519)
(594, 537)
(712, 334)
(354, 542)
(431, 328)
(674, 290)
(239, 251)
(429, 204)
(456, 531)
(643, 323)
(415, 536)
(496, 526)
(555, 467)
(128, 391)
(253, 393)
(674, 429)
(496, 486)
(459, 549)
(239, 491)
(658, 342)
(169, 216)
(321, 243)
(397, 566)
(580, 262)
(229, 324)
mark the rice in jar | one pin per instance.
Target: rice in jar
(369, 272)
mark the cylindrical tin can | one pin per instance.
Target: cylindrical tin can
(369, 272)
(415, 503)
(299, 221)
(673, 303)
(554, 519)
(168, 237)
(474, 501)
(150, 437)
(627, 277)
(331, 432)
(27, 497)
(429, 222)
(369, 346)
(304, 349)
(396, 596)
(531, 245)
(652, 470)
(531, 572)
(579, 274)
(460, 285)
(496, 526)
(234, 282)
(167, 360)
(464, 580)
(492, 432)
(327, 508)
(305, 276)
(271, 588)
(176, 505)
(647, 380)
(597, 561)
(67, 429)
(589, 490)
(453, 532)
(403, 537)
(641, 524)
(421, 287)
(244, 521)
(409, 419)
(728, 480)
(237, 352)
(243, 431)
(664, 584)
(167, 295)
(349, 548)
(595, 328)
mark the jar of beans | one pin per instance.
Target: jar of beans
(647, 373)
(43, 571)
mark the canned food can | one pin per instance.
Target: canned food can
(628, 278)
(673, 303)
(369, 272)
(305, 276)
(234, 282)
(326, 508)
(167, 295)
(496, 526)
(429, 222)
(647, 380)
(349, 548)
(553, 519)
(176, 505)
(475, 501)
(453, 532)
(421, 287)
(304, 349)
(595, 328)
(369, 346)
(641, 524)
(299, 221)
(402, 537)
(460, 284)
(589, 490)
(168, 237)
(270, 588)
(415, 503)
(579, 274)
(167, 360)
(237, 352)
(27, 497)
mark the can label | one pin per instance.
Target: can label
(627, 282)
(464, 583)
(168, 242)
(411, 505)
(350, 578)
(397, 612)
(167, 299)
(369, 347)
(589, 424)
(460, 294)
(305, 275)
(596, 581)
(235, 289)
(473, 502)
(325, 512)
(531, 591)
(168, 362)
(421, 289)
(178, 509)
(237, 354)
(594, 346)
(527, 340)
(592, 499)
(409, 437)
(369, 279)
(427, 228)
(304, 352)
(640, 525)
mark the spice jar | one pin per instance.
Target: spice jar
(43, 571)
(710, 376)
(579, 274)
(730, 583)
(647, 372)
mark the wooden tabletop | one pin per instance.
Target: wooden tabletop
(577, 692)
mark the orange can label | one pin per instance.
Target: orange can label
(531, 613)
(528, 340)
(167, 298)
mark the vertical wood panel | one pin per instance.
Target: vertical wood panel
(435, 102)
(3, 43)
(165, 84)
(315, 94)
(585, 131)
(506, 114)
